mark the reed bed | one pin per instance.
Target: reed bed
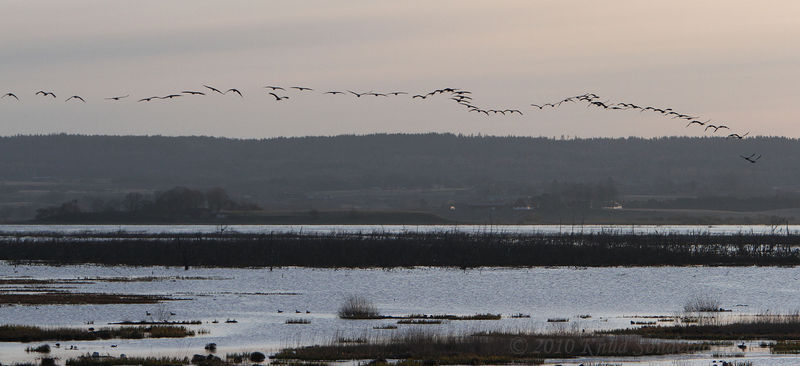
(118, 361)
(487, 316)
(497, 348)
(388, 250)
(27, 333)
(765, 326)
(78, 298)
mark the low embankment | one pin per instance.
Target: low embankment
(387, 250)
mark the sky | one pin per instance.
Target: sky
(735, 62)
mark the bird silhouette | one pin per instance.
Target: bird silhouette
(301, 88)
(419, 96)
(118, 98)
(397, 93)
(277, 97)
(76, 97)
(512, 111)
(44, 93)
(170, 96)
(10, 95)
(738, 136)
(213, 89)
(274, 87)
(358, 95)
(752, 158)
(235, 91)
(147, 99)
(333, 92)
(193, 92)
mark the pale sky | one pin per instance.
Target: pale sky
(735, 62)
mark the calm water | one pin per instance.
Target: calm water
(322, 229)
(610, 295)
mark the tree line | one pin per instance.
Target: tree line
(181, 201)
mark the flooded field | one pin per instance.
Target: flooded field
(261, 301)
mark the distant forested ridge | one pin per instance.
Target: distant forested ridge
(419, 170)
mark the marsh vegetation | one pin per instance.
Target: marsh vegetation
(766, 326)
(27, 333)
(390, 250)
(487, 348)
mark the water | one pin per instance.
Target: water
(610, 295)
(324, 229)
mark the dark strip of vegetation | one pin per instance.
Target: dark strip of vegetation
(487, 348)
(775, 327)
(27, 333)
(113, 361)
(785, 347)
(45, 348)
(486, 316)
(73, 298)
(444, 249)
(165, 322)
(419, 321)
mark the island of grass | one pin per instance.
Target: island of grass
(774, 327)
(28, 333)
(76, 298)
(489, 348)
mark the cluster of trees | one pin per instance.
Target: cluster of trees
(176, 201)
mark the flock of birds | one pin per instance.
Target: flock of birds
(459, 96)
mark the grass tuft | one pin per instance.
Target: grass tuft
(358, 307)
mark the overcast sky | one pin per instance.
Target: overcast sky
(735, 62)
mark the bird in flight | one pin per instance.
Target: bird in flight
(213, 89)
(274, 87)
(420, 96)
(170, 96)
(9, 95)
(333, 92)
(277, 97)
(752, 158)
(696, 122)
(301, 88)
(44, 93)
(358, 95)
(76, 97)
(716, 128)
(512, 111)
(397, 93)
(147, 99)
(118, 98)
(738, 136)
(235, 91)
(193, 92)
